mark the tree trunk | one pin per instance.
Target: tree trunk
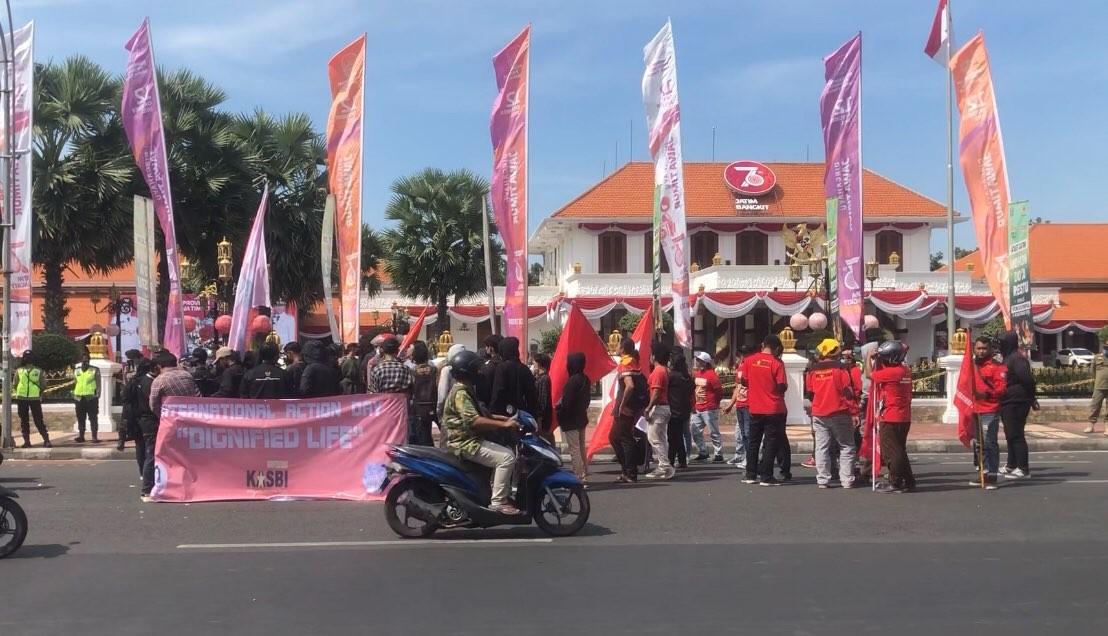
(54, 310)
(444, 316)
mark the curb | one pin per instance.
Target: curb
(925, 446)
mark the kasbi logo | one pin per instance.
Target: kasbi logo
(275, 475)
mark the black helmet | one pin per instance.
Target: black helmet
(892, 352)
(465, 365)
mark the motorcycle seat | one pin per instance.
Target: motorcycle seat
(439, 455)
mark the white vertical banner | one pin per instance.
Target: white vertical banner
(146, 282)
(22, 128)
(663, 121)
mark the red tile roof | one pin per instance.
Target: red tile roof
(1081, 304)
(1060, 253)
(799, 193)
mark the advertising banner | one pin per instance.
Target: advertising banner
(327, 254)
(508, 126)
(663, 120)
(253, 285)
(324, 448)
(1019, 272)
(22, 128)
(146, 282)
(840, 107)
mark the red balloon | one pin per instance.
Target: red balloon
(262, 324)
(206, 332)
(190, 323)
(223, 324)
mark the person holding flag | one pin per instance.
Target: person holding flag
(989, 386)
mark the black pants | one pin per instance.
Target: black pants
(140, 452)
(419, 428)
(767, 432)
(675, 434)
(622, 439)
(1014, 418)
(894, 452)
(88, 408)
(784, 454)
(149, 439)
(35, 409)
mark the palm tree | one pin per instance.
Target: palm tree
(83, 177)
(435, 250)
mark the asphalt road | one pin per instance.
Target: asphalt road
(703, 553)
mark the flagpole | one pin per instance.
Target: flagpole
(950, 315)
(491, 292)
(8, 162)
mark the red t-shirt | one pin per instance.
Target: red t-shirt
(856, 379)
(762, 373)
(659, 379)
(893, 386)
(829, 388)
(991, 380)
(740, 392)
(708, 391)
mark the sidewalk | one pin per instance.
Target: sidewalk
(931, 437)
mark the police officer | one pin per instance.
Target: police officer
(86, 397)
(28, 398)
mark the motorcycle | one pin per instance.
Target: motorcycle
(431, 489)
(13, 522)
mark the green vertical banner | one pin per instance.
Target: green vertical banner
(657, 247)
(832, 256)
(1019, 272)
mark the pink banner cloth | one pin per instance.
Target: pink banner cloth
(508, 127)
(323, 448)
(142, 121)
(253, 285)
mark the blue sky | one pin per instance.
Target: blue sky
(751, 69)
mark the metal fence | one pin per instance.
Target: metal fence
(928, 380)
(1066, 382)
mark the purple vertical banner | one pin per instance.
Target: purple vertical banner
(840, 107)
(142, 121)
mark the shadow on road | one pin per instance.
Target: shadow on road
(524, 532)
(46, 551)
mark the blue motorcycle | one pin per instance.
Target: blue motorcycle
(431, 489)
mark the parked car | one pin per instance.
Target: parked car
(1073, 358)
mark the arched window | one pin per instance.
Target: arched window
(648, 250)
(704, 246)
(611, 253)
(751, 248)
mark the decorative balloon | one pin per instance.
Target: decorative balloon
(112, 330)
(262, 324)
(223, 324)
(206, 332)
(817, 321)
(871, 322)
(799, 322)
(190, 324)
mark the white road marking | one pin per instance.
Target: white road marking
(1086, 481)
(1046, 462)
(355, 544)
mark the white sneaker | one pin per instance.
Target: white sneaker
(1016, 474)
(657, 474)
(741, 465)
(1004, 470)
(1089, 429)
(733, 460)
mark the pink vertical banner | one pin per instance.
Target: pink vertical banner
(253, 285)
(840, 107)
(142, 121)
(22, 126)
(508, 126)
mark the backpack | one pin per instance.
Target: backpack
(425, 390)
(640, 391)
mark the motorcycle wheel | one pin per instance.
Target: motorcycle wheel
(566, 514)
(13, 526)
(397, 500)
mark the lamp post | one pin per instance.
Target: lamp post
(400, 326)
(215, 295)
(113, 308)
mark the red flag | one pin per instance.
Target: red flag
(578, 336)
(413, 333)
(965, 397)
(871, 447)
(642, 337)
(938, 43)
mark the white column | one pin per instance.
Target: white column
(794, 396)
(107, 369)
(953, 366)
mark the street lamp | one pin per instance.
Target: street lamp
(400, 326)
(113, 308)
(214, 297)
(796, 273)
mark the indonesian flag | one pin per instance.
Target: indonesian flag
(938, 43)
(642, 337)
(965, 397)
(413, 332)
(578, 336)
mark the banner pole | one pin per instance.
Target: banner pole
(488, 267)
(7, 40)
(950, 315)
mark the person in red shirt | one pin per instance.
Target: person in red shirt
(763, 375)
(708, 393)
(657, 411)
(742, 413)
(892, 388)
(831, 390)
(989, 386)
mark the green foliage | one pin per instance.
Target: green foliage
(548, 340)
(1102, 335)
(992, 329)
(807, 340)
(629, 322)
(54, 352)
(534, 274)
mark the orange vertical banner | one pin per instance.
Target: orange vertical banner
(344, 168)
(981, 150)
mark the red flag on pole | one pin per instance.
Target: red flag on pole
(965, 396)
(938, 42)
(578, 336)
(413, 332)
(642, 337)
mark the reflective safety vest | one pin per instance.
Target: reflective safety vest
(86, 382)
(29, 383)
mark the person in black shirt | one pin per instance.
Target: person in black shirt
(1016, 404)
(513, 384)
(573, 413)
(681, 390)
(488, 372)
(229, 364)
(294, 368)
(267, 380)
(205, 381)
(320, 377)
(544, 410)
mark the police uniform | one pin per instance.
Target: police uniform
(28, 398)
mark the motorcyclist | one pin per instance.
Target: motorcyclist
(466, 426)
